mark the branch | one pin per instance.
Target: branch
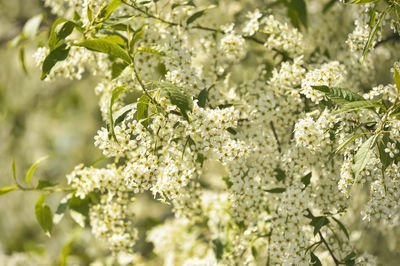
(276, 136)
(335, 260)
(250, 38)
(393, 37)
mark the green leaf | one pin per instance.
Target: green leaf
(114, 96)
(106, 11)
(254, 252)
(363, 155)
(44, 215)
(231, 130)
(5, 190)
(177, 97)
(22, 59)
(79, 209)
(195, 16)
(65, 251)
(397, 79)
(43, 184)
(297, 12)
(347, 142)
(350, 259)
(123, 112)
(280, 175)
(107, 47)
(372, 17)
(143, 110)
(373, 33)
(58, 54)
(218, 248)
(355, 106)
(364, 1)
(78, 217)
(228, 183)
(59, 31)
(315, 260)
(276, 190)
(339, 95)
(202, 98)
(342, 227)
(328, 6)
(62, 207)
(384, 156)
(137, 35)
(306, 179)
(144, 49)
(32, 169)
(318, 222)
(14, 172)
(114, 37)
(32, 26)
(117, 68)
(29, 31)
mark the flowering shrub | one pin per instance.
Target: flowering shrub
(286, 97)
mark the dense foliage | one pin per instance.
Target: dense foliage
(297, 103)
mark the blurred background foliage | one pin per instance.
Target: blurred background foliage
(57, 119)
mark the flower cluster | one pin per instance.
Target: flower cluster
(178, 93)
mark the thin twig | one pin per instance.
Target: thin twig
(393, 37)
(199, 27)
(276, 136)
(335, 260)
(269, 242)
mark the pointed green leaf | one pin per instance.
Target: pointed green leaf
(373, 33)
(142, 110)
(347, 142)
(177, 97)
(44, 215)
(58, 54)
(32, 169)
(107, 47)
(318, 222)
(350, 259)
(339, 95)
(384, 156)
(149, 50)
(59, 31)
(306, 179)
(43, 184)
(137, 35)
(363, 155)
(106, 11)
(114, 96)
(342, 227)
(31, 27)
(218, 248)
(14, 172)
(62, 207)
(364, 1)
(5, 190)
(78, 217)
(280, 175)
(355, 106)
(397, 79)
(276, 190)
(195, 16)
(202, 98)
(22, 60)
(315, 260)
(117, 68)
